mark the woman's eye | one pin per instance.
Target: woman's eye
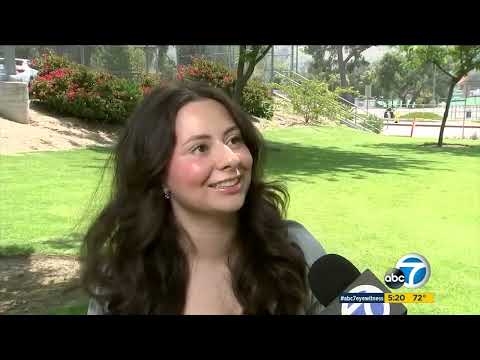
(200, 148)
(236, 140)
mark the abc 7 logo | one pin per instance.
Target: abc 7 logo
(365, 308)
(411, 271)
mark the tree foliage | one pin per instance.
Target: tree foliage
(395, 77)
(314, 101)
(338, 65)
(248, 58)
(455, 61)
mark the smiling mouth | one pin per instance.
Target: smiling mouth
(226, 183)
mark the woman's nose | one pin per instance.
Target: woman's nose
(228, 158)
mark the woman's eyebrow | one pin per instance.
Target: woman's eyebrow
(230, 129)
(205, 136)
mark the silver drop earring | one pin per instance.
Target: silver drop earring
(166, 193)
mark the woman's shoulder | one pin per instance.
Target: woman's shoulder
(94, 308)
(311, 247)
(312, 250)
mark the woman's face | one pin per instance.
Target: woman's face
(209, 150)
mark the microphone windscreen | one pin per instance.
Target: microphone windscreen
(329, 276)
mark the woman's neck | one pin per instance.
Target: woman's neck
(206, 237)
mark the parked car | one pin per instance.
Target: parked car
(25, 72)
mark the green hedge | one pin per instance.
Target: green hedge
(71, 89)
(256, 98)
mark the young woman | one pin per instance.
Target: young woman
(191, 226)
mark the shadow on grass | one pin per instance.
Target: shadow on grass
(16, 250)
(289, 161)
(450, 148)
(40, 284)
(96, 162)
(68, 242)
(101, 149)
(294, 161)
(78, 307)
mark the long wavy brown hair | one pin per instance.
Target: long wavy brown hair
(131, 259)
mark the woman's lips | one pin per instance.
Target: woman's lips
(232, 189)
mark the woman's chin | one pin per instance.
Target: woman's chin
(228, 206)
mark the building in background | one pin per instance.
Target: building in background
(470, 84)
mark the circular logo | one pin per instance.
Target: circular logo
(416, 270)
(394, 278)
(365, 308)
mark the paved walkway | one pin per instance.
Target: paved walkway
(454, 130)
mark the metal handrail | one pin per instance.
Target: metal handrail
(364, 125)
(286, 77)
(353, 125)
(284, 97)
(343, 116)
(338, 97)
(300, 76)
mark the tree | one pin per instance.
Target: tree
(249, 57)
(217, 53)
(26, 52)
(359, 73)
(155, 57)
(455, 61)
(323, 66)
(395, 78)
(125, 61)
(342, 60)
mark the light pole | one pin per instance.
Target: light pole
(296, 61)
(464, 110)
(9, 56)
(272, 63)
(291, 59)
(82, 55)
(368, 93)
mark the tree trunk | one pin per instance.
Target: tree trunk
(343, 74)
(414, 98)
(240, 82)
(88, 54)
(445, 114)
(341, 66)
(151, 59)
(255, 56)
(237, 92)
(162, 55)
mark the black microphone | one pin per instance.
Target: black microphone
(331, 275)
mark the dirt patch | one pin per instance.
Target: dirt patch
(281, 120)
(47, 132)
(36, 284)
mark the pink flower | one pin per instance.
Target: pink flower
(71, 94)
(147, 90)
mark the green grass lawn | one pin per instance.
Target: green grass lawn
(44, 195)
(80, 309)
(370, 198)
(421, 116)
